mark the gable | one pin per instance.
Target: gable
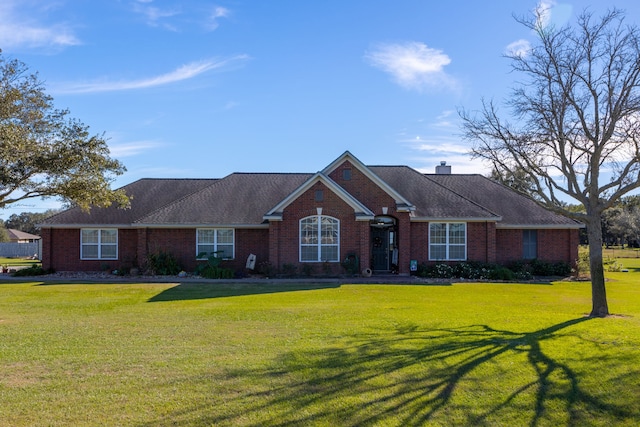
(360, 211)
(349, 161)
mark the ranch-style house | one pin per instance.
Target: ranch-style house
(388, 218)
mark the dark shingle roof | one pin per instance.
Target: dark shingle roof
(148, 195)
(432, 200)
(244, 198)
(515, 209)
(239, 198)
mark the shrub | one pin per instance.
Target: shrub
(501, 273)
(351, 264)
(212, 269)
(163, 263)
(474, 270)
(266, 268)
(327, 268)
(307, 270)
(583, 266)
(34, 270)
(210, 272)
(615, 266)
(289, 269)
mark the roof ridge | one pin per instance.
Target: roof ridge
(270, 173)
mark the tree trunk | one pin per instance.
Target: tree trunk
(598, 292)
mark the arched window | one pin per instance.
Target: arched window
(319, 239)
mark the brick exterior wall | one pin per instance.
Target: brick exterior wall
(553, 245)
(279, 244)
(286, 239)
(61, 248)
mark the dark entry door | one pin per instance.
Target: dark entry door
(380, 250)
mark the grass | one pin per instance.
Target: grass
(280, 355)
(13, 262)
(620, 252)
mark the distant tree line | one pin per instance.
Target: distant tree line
(25, 221)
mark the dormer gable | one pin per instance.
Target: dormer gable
(351, 161)
(361, 212)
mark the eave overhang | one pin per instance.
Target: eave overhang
(455, 219)
(576, 226)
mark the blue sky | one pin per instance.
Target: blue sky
(201, 88)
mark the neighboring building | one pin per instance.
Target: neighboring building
(385, 216)
(17, 236)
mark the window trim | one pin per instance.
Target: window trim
(215, 242)
(448, 245)
(319, 245)
(99, 244)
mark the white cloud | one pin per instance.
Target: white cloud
(132, 148)
(176, 17)
(20, 27)
(543, 12)
(520, 48)
(552, 13)
(154, 16)
(427, 153)
(438, 144)
(218, 12)
(413, 65)
(184, 72)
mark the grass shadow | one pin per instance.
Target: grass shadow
(195, 291)
(411, 376)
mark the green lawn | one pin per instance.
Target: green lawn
(266, 355)
(13, 262)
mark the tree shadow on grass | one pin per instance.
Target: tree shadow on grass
(411, 376)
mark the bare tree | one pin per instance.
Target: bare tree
(575, 122)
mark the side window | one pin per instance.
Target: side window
(99, 243)
(219, 241)
(529, 244)
(447, 241)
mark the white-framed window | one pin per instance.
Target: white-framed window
(319, 239)
(447, 241)
(529, 244)
(99, 243)
(212, 240)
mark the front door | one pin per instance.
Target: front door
(380, 250)
(384, 244)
